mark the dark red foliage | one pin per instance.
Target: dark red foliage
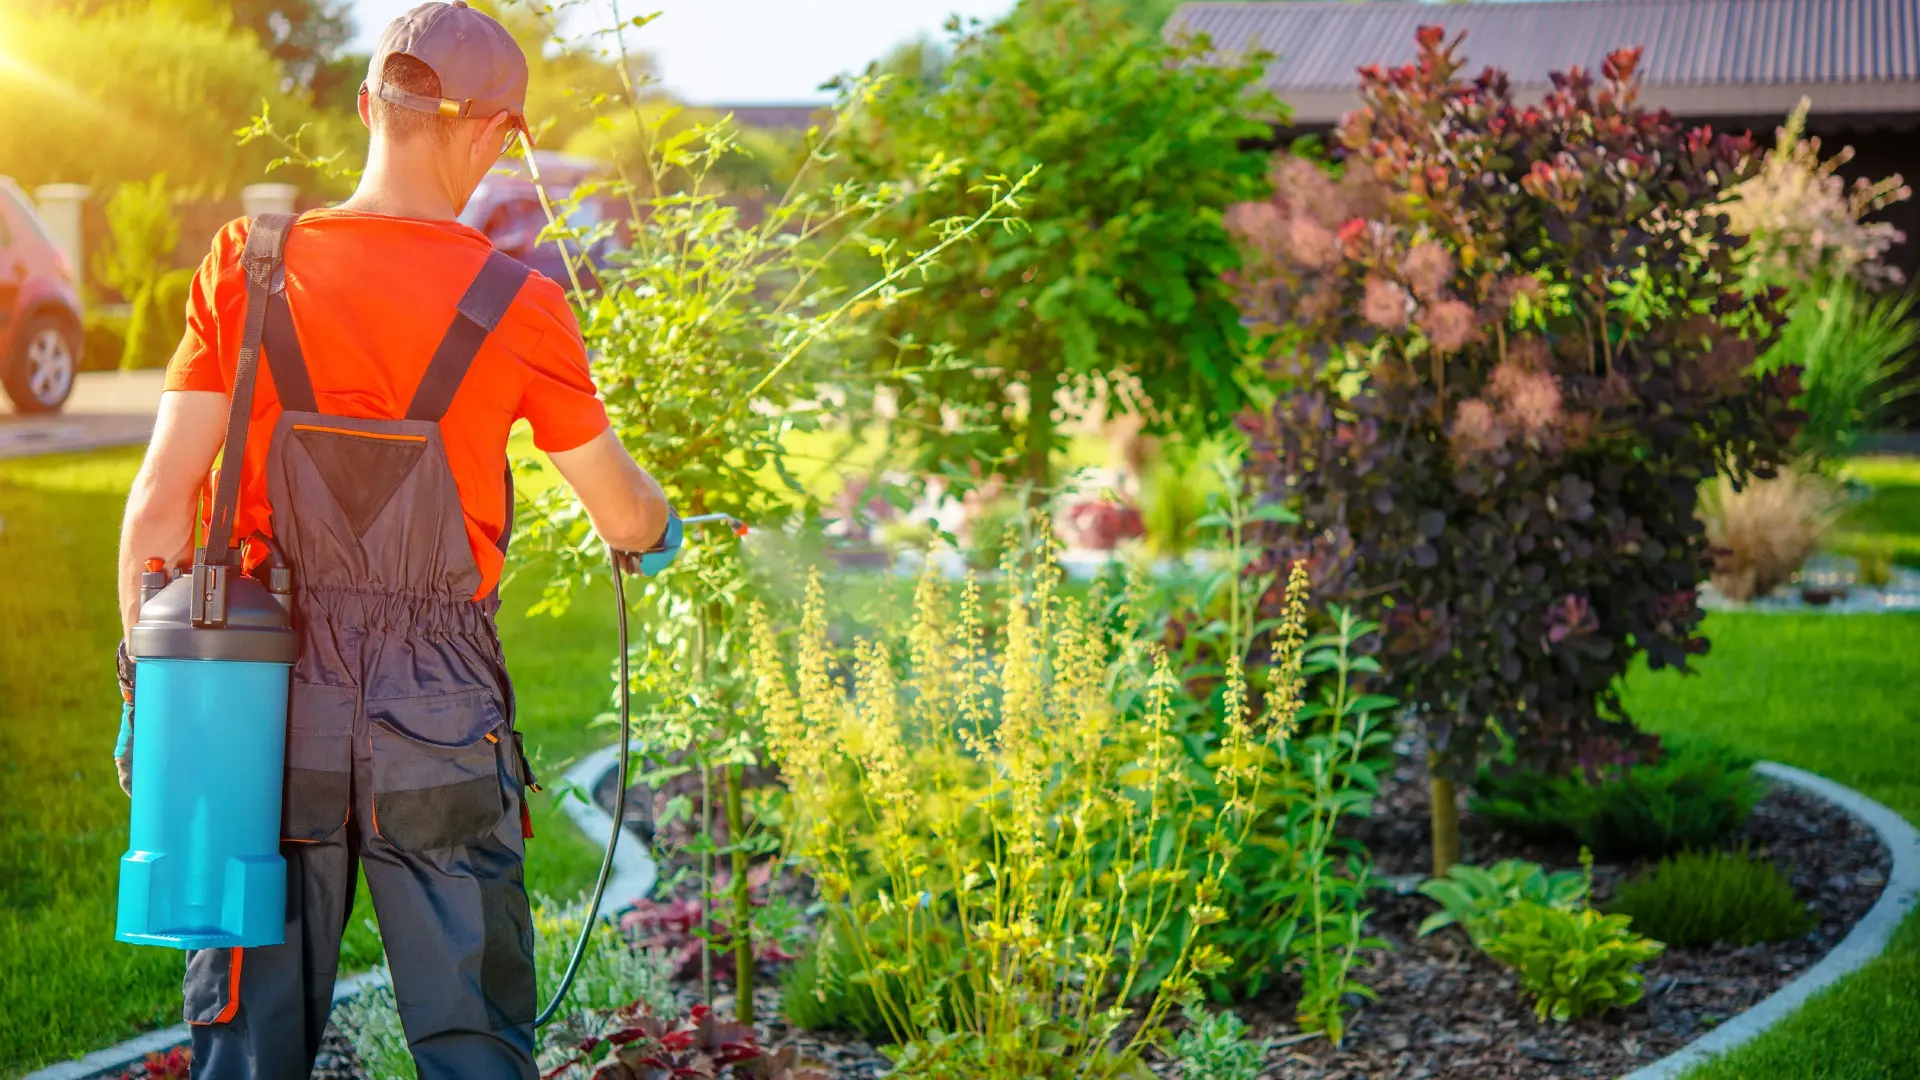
(1509, 348)
(678, 928)
(175, 1064)
(698, 1046)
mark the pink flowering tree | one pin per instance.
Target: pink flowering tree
(1509, 344)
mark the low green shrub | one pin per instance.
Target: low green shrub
(825, 990)
(1694, 797)
(1215, 1047)
(103, 339)
(1698, 898)
(613, 976)
(371, 1022)
(1574, 963)
(1471, 897)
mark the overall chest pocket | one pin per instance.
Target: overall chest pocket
(436, 769)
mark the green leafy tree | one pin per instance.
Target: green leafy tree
(142, 231)
(128, 92)
(1140, 148)
(303, 36)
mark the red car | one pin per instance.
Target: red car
(40, 335)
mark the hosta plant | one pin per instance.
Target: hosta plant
(1510, 341)
(990, 801)
(1472, 897)
(1215, 1046)
(1573, 963)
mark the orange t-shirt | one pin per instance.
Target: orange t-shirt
(371, 297)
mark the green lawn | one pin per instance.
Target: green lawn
(1832, 695)
(1890, 521)
(67, 987)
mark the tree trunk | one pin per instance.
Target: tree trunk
(1446, 825)
(740, 927)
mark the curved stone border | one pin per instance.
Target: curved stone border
(1866, 940)
(634, 874)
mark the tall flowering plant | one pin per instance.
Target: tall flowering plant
(999, 865)
(1510, 341)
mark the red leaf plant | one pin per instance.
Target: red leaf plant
(698, 1046)
(1508, 341)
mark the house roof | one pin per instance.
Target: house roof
(1748, 59)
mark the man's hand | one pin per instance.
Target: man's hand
(656, 558)
(123, 747)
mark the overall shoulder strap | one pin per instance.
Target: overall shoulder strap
(284, 358)
(266, 245)
(479, 311)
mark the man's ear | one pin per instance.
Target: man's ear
(491, 143)
(365, 106)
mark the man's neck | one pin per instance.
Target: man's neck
(397, 183)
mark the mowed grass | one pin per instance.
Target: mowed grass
(66, 987)
(1833, 695)
(1890, 520)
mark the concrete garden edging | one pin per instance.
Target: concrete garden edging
(1866, 940)
(634, 874)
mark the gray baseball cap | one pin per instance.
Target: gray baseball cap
(481, 68)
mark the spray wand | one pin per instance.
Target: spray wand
(624, 563)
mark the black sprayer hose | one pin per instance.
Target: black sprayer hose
(620, 794)
(619, 813)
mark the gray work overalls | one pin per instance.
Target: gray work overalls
(401, 753)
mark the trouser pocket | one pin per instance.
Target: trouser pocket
(436, 769)
(319, 779)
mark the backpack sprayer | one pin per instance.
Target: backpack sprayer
(214, 650)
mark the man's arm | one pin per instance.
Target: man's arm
(160, 508)
(623, 501)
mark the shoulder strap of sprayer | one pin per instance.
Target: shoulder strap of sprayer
(266, 246)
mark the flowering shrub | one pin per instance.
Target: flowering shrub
(995, 817)
(1510, 342)
(1805, 223)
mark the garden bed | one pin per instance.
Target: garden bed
(1445, 1010)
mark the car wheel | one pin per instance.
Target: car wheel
(39, 374)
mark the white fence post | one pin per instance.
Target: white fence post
(257, 199)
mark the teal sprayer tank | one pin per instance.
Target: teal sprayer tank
(212, 655)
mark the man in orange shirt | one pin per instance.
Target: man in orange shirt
(399, 349)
